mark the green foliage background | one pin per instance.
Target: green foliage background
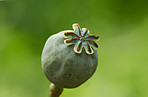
(122, 25)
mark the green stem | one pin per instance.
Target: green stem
(55, 91)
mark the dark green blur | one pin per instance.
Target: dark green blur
(25, 25)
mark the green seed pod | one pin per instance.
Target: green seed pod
(64, 61)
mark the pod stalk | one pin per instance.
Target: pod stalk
(55, 91)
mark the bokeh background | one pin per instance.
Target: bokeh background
(122, 25)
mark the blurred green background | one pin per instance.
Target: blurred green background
(122, 25)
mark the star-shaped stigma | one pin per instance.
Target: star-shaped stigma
(81, 39)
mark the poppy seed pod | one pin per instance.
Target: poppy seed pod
(69, 58)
